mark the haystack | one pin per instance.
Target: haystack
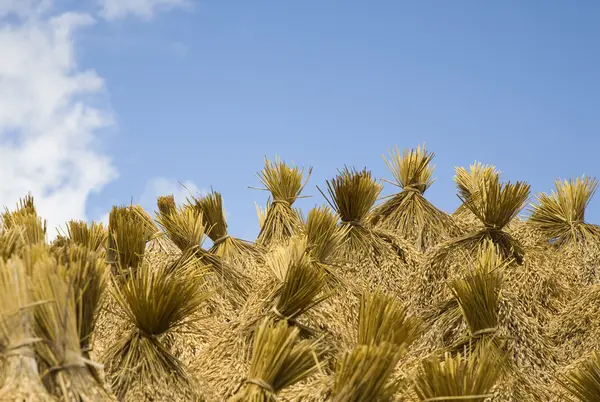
(408, 213)
(285, 184)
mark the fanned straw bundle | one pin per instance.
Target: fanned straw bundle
(156, 302)
(382, 319)
(469, 376)
(365, 374)
(93, 236)
(25, 216)
(129, 229)
(583, 383)
(408, 213)
(229, 248)
(185, 227)
(68, 375)
(12, 242)
(560, 215)
(21, 378)
(279, 360)
(495, 205)
(285, 185)
(470, 181)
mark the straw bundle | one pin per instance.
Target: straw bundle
(21, 378)
(469, 376)
(186, 228)
(495, 205)
(156, 302)
(229, 248)
(92, 237)
(25, 216)
(129, 229)
(364, 374)
(285, 185)
(408, 213)
(469, 182)
(11, 242)
(583, 383)
(382, 319)
(68, 375)
(278, 361)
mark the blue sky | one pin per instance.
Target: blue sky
(201, 93)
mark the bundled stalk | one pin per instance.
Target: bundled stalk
(469, 376)
(285, 185)
(93, 236)
(68, 375)
(25, 216)
(279, 360)
(186, 228)
(560, 216)
(129, 229)
(156, 301)
(365, 374)
(21, 380)
(495, 205)
(352, 194)
(300, 290)
(470, 181)
(166, 204)
(478, 294)
(583, 383)
(382, 319)
(324, 236)
(229, 248)
(12, 242)
(408, 213)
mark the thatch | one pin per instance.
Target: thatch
(408, 213)
(285, 185)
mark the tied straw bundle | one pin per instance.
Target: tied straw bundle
(583, 383)
(25, 217)
(560, 216)
(229, 248)
(470, 181)
(156, 301)
(281, 220)
(408, 213)
(364, 374)
(495, 205)
(68, 374)
(470, 376)
(12, 242)
(21, 380)
(186, 228)
(279, 360)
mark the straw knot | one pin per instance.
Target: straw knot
(412, 188)
(221, 240)
(486, 331)
(144, 334)
(261, 383)
(284, 202)
(21, 349)
(279, 315)
(74, 360)
(356, 223)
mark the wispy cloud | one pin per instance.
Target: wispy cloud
(51, 113)
(145, 9)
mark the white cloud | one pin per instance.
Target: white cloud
(51, 114)
(160, 186)
(145, 9)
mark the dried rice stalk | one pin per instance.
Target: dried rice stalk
(25, 216)
(69, 375)
(285, 185)
(495, 205)
(583, 383)
(364, 374)
(225, 246)
(323, 235)
(408, 213)
(382, 319)
(468, 376)
(470, 182)
(185, 227)
(156, 301)
(128, 233)
(17, 336)
(278, 361)
(12, 242)
(166, 204)
(93, 237)
(560, 215)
